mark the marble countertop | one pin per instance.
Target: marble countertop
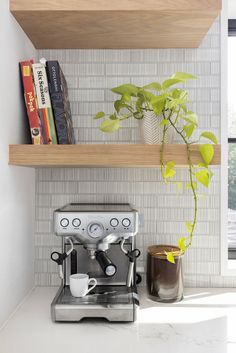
(204, 322)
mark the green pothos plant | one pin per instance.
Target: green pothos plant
(169, 102)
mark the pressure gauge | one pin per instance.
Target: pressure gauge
(95, 230)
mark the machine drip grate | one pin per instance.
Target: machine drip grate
(100, 295)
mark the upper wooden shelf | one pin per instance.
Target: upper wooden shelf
(102, 155)
(114, 24)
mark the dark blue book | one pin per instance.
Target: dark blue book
(60, 103)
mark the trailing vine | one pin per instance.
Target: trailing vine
(171, 104)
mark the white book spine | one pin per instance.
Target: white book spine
(41, 86)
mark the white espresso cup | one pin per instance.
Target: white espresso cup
(79, 284)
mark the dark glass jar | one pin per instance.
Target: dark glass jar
(164, 279)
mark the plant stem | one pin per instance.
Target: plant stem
(190, 171)
(165, 128)
(162, 149)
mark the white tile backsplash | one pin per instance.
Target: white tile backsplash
(90, 75)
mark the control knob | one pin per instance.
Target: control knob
(114, 222)
(126, 222)
(76, 222)
(64, 222)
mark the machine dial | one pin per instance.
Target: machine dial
(95, 230)
(76, 222)
(64, 222)
(114, 222)
(126, 222)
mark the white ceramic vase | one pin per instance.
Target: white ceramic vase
(151, 132)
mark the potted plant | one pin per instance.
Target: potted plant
(168, 104)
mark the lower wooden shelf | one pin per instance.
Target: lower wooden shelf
(102, 155)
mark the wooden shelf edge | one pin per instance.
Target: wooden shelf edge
(107, 5)
(103, 155)
(97, 24)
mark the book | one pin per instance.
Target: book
(60, 103)
(44, 102)
(36, 127)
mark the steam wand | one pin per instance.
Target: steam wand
(132, 255)
(60, 257)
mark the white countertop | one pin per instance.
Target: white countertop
(204, 322)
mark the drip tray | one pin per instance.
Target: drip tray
(114, 303)
(100, 295)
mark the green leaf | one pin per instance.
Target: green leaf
(169, 171)
(189, 227)
(158, 108)
(181, 244)
(184, 107)
(126, 90)
(175, 102)
(188, 129)
(210, 136)
(146, 95)
(113, 117)
(126, 98)
(110, 125)
(190, 117)
(158, 103)
(203, 177)
(164, 122)
(183, 94)
(176, 93)
(170, 82)
(183, 76)
(139, 104)
(207, 153)
(119, 104)
(156, 86)
(169, 174)
(170, 164)
(160, 98)
(99, 115)
(170, 257)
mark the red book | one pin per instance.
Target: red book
(36, 128)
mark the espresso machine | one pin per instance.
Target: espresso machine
(99, 240)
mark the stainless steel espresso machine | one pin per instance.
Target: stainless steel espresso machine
(99, 240)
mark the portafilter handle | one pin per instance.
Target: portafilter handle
(106, 264)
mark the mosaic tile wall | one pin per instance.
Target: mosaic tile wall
(90, 75)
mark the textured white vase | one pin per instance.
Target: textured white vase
(150, 130)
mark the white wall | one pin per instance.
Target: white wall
(16, 184)
(232, 9)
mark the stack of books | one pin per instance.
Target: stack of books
(47, 103)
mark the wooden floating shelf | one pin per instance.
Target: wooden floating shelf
(113, 24)
(104, 155)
